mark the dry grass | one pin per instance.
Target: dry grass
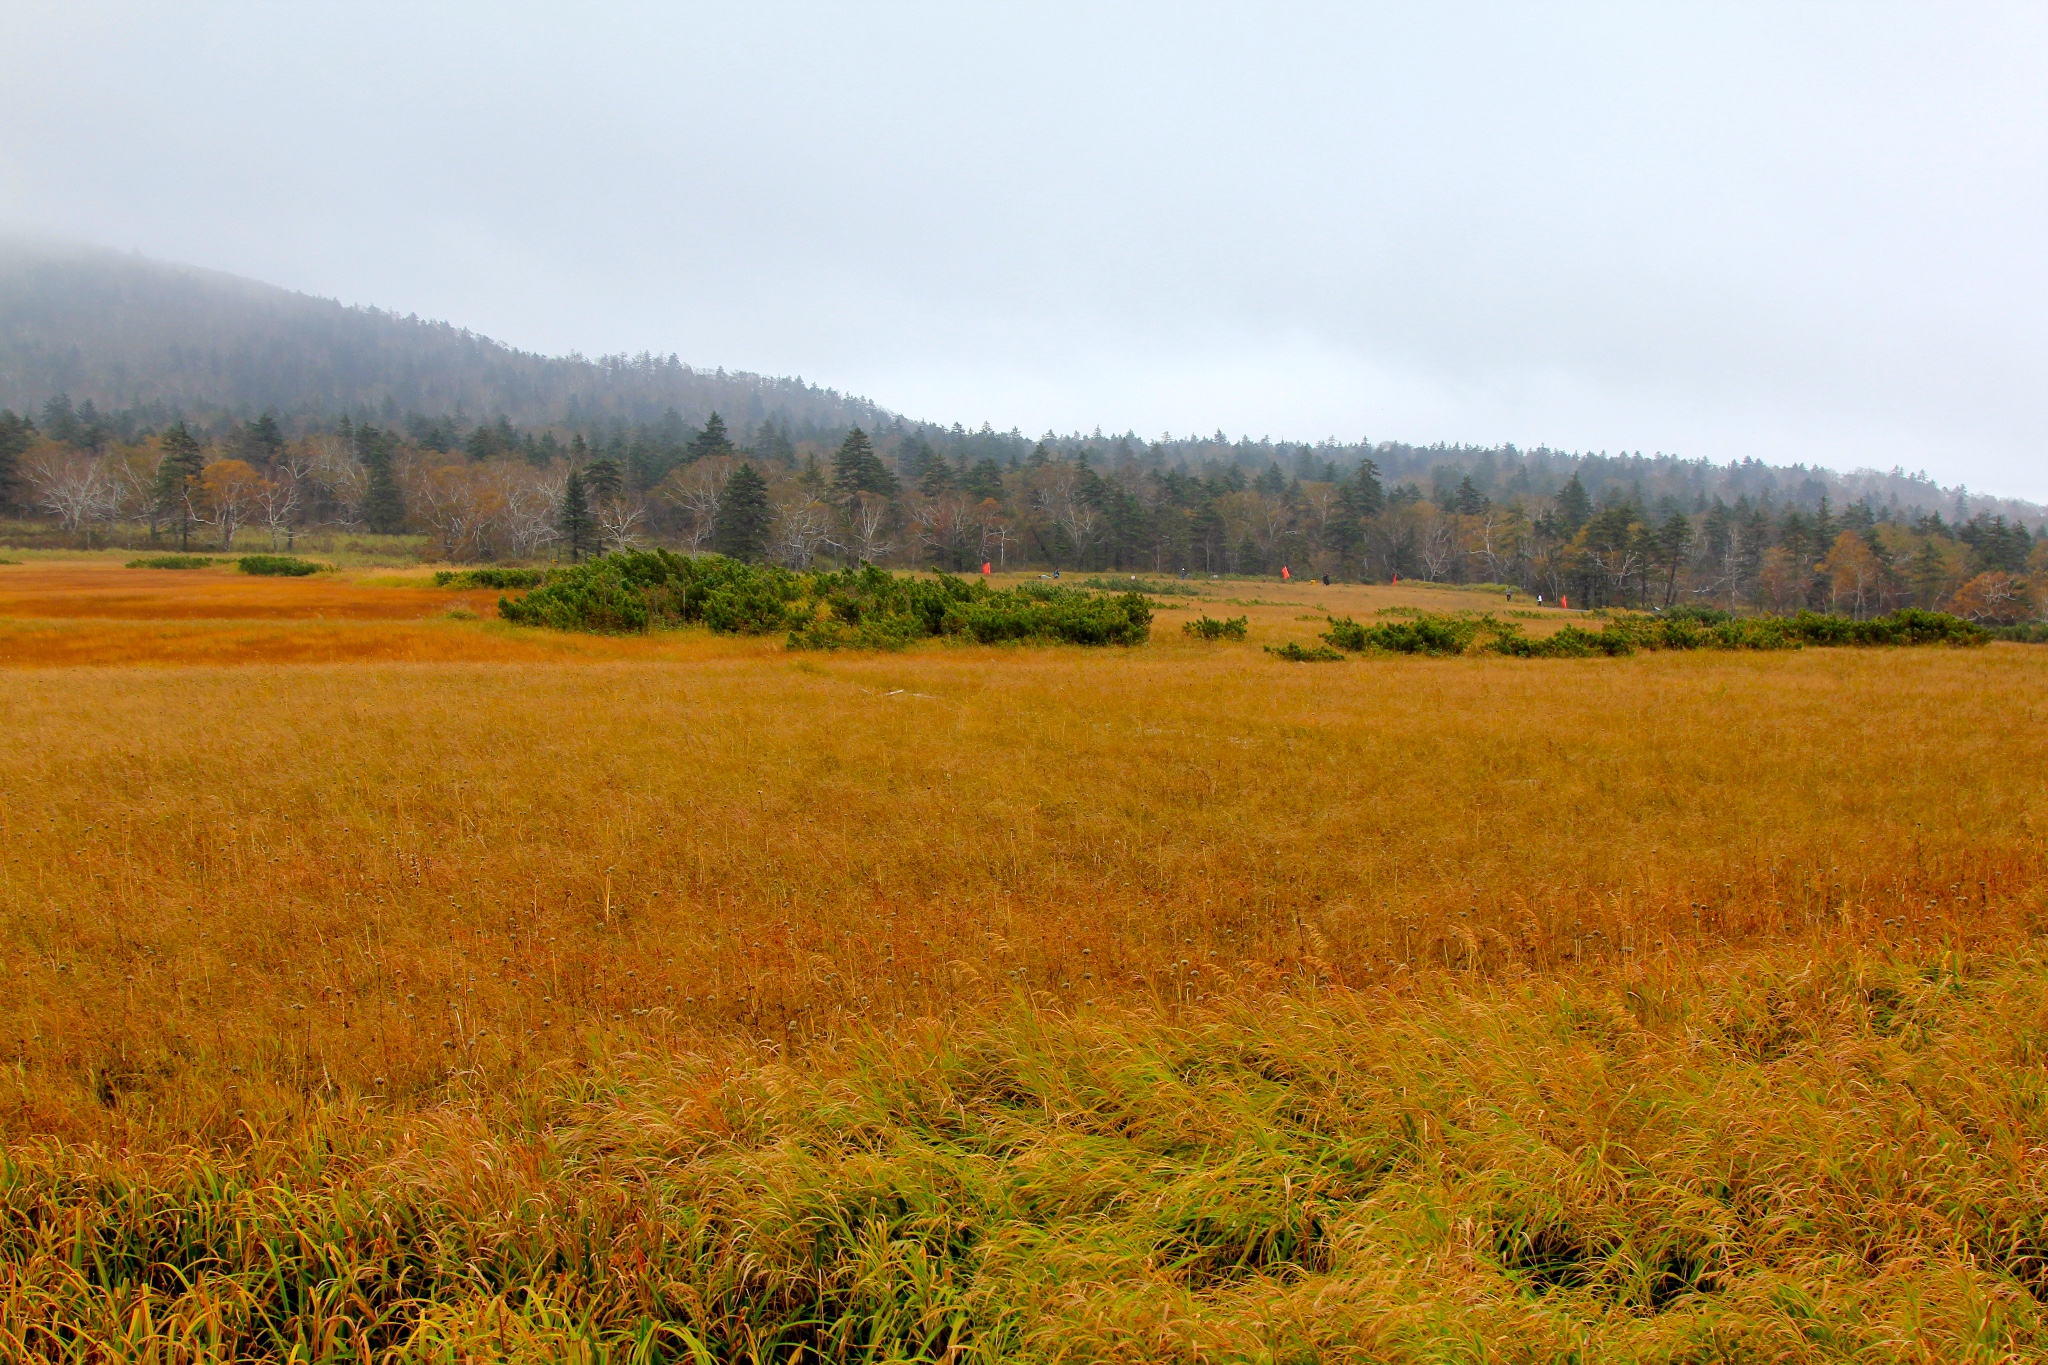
(615, 939)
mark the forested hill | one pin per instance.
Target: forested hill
(99, 345)
(149, 339)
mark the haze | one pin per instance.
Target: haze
(1788, 233)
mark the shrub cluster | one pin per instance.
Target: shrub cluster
(1206, 627)
(1684, 628)
(490, 578)
(1300, 654)
(1168, 588)
(173, 562)
(278, 566)
(865, 608)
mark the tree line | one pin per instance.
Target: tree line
(918, 496)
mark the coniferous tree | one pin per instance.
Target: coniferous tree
(17, 434)
(383, 500)
(604, 479)
(711, 441)
(182, 464)
(1367, 497)
(857, 469)
(578, 529)
(744, 518)
(1574, 507)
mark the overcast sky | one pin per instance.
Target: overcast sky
(1795, 233)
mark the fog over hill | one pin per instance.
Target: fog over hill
(146, 342)
(129, 333)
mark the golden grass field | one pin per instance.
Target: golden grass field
(377, 984)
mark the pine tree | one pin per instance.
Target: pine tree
(712, 440)
(1574, 507)
(383, 502)
(603, 480)
(857, 469)
(264, 439)
(574, 522)
(1367, 498)
(176, 474)
(17, 434)
(740, 528)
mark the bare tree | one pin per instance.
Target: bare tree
(803, 527)
(1058, 498)
(1437, 546)
(228, 495)
(532, 507)
(996, 532)
(866, 517)
(76, 486)
(334, 468)
(696, 490)
(616, 518)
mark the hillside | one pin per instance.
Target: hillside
(128, 333)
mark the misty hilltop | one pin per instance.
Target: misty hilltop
(127, 333)
(141, 343)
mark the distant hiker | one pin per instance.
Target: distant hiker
(1284, 575)
(1326, 580)
(984, 568)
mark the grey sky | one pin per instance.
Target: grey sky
(1784, 232)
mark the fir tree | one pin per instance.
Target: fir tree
(740, 528)
(604, 480)
(574, 522)
(383, 502)
(17, 434)
(1574, 507)
(712, 440)
(179, 471)
(857, 469)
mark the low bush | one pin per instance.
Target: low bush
(1425, 633)
(278, 566)
(2027, 633)
(1154, 588)
(865, 608)
(1299, 654)
(1206, 627)
(490, 578)
(1681, 628)
(173, 562)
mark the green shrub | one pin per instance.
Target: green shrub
(278, 566)
(2026, 633)
(1294, 653)
(173, 562)
(1206, 627)
(1681, 628)
(865, 608)
(1169, 588)
(1425, 634)
(489, 577)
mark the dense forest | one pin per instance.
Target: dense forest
(145, 403)
(1600, 531)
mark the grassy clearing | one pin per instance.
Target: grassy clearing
(671, 996)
